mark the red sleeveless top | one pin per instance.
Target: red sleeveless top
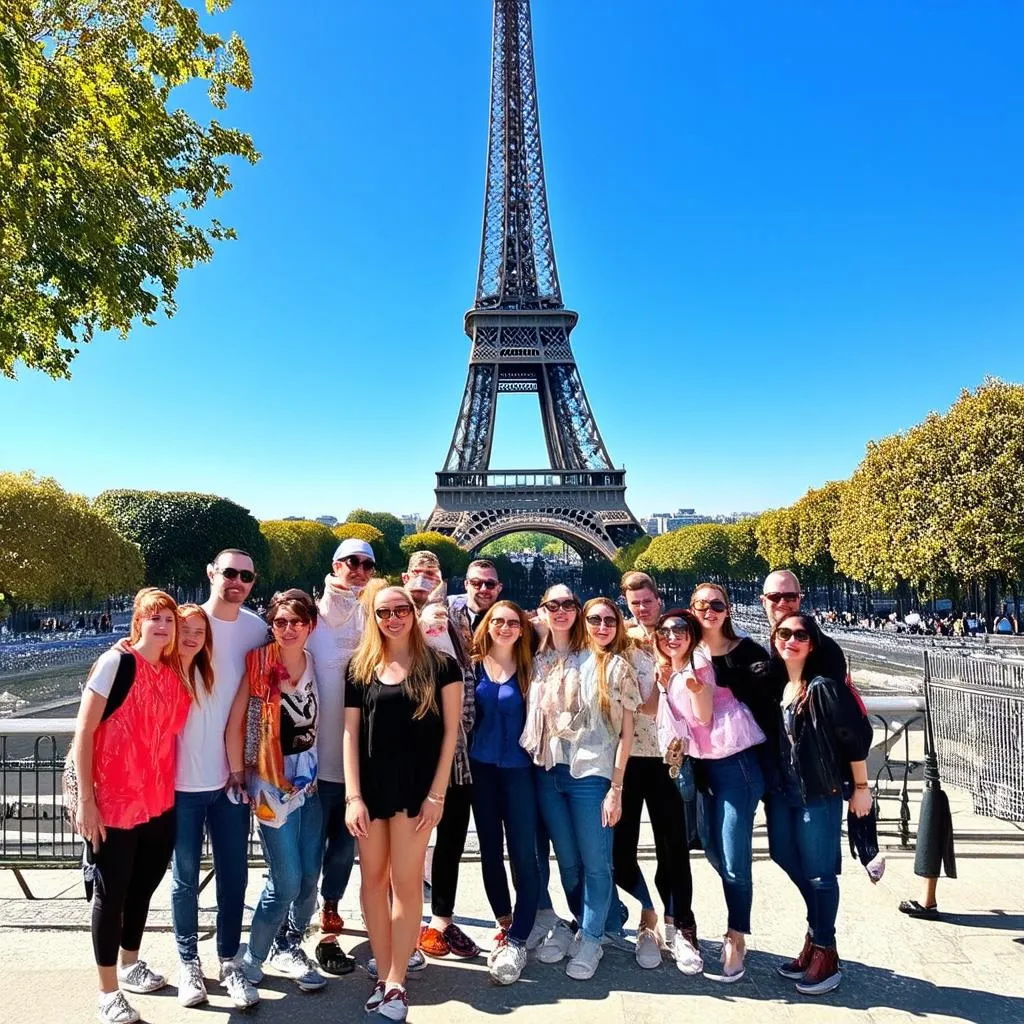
(133, 758)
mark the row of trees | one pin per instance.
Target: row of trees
(935, 511)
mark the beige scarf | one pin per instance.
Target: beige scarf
(338, 604)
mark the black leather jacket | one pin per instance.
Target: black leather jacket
(829, 731)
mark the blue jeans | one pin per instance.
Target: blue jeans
(504, 801)
(294, 855)
(228, 827)
(735, 786)
(571, 809)
(804, 840)
(543, 863)
(339, 846)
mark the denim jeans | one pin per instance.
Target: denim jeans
(804, 840)
(735, 786)
(294, 855)
(571, 809)
(504, 801)
(543, 862)
(227, 825)
(339, 845)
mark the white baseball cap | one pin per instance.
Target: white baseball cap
(354, 546)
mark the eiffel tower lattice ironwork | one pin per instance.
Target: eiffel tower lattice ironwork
(519, 331)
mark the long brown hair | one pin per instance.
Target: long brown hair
(370, 655)
(577, 634)
(203, 660)
(619, 646)
(808, 623)
(482, 643)
(727, 628)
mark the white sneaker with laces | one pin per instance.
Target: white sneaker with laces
(556, 944)
(139, 978)
(583, 965)
(293, 963)
(241, 991)
(113, 1008)
(648, 948)
(191, 986)
(686, 955)
(395, 1004)
(508, 964)
(542, 924)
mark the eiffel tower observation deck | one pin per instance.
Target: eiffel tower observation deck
(519, 330)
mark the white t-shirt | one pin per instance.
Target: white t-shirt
(202, 755)
(332, 647)
(101, 679)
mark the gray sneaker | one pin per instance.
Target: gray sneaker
(544, 922)
(648, 949)
(115, 1009)
(556, 944)
(191, 985)
(508, 963)
(583, 965)
(139, 978)
(293, 963)
(241, 991)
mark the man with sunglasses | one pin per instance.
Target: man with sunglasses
(339, 628)
(780, 598)
(208, 795)
(482, 589)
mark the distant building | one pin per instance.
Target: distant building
(413, 522)
(294, 519)
(329, 521)
(665, 522)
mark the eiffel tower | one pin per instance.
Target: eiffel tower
(519, 331)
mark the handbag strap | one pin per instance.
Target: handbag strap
(122, 684)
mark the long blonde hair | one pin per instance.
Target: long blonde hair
(482, 642)
(371, 654)
(203, 661)
(619, 646)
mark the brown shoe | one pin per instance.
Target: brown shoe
(330, 922)
(432, 942)
(796, 969)
(823, 974)
(460, 943)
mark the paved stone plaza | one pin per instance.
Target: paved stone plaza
(969, 966)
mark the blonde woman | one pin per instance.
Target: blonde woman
(134, 705)
(403, 705)
(579, 730)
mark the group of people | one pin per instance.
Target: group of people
(379, 715)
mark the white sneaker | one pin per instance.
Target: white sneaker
(191, 986)
(543, 923)
(139, 978)
(417, 962)
(395, 1004)
(556, 944)
(115, 1009)
(293, 963)
(686, 954)
(582, 966)
(508, 964)
(241, 991)
(648, 948)
(670, 935)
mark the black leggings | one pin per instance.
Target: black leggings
(647, 779)
(130, 865)
(448, 848)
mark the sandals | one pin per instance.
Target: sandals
(333, 959)
(914, 909)
(452, 940)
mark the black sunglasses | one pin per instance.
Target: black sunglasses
(561, 606)
(667, 631)
(782, 595)
(403, 611)
(602, 620)
(482, 584)
(355, 562)
(800, 635)
(245, 575)
(700, 605)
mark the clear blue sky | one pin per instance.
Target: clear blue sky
(788, 228)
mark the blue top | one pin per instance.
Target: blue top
(500, 717)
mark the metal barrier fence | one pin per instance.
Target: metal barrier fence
(977, 711)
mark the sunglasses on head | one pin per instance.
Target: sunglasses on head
(669, 631)
(482, 584)
(561, 606)
(403, 611)
(700, 605)
(283, 622)
(777, 596)
(499, 623)
(602, 620)
(245, 575)
(355, 562)
(800, 635)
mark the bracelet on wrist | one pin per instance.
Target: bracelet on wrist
(352, 799)
(617, 789)
(436, 801)
(861, 785)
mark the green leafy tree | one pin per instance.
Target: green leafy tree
(179, 531)
(299, 554)
(361, 531)
(55, 548)
(625, 558)
(101, 176)
(389, 559)
(513, 543)
(452, 558)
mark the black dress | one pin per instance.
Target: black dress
(398, 754)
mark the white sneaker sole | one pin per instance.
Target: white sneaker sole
(196, 999)
(141, 990)
(823, 987)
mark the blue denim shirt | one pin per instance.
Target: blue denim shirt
(500, 716)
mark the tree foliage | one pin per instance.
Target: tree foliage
(389, 552)
(299, 554)
(180, 531)
(708, 551)
(513, 543)
(361, 531)
(100, 176)
(625, 558)
(55, 548)
(452, 558)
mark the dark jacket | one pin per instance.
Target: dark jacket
(830, 730)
